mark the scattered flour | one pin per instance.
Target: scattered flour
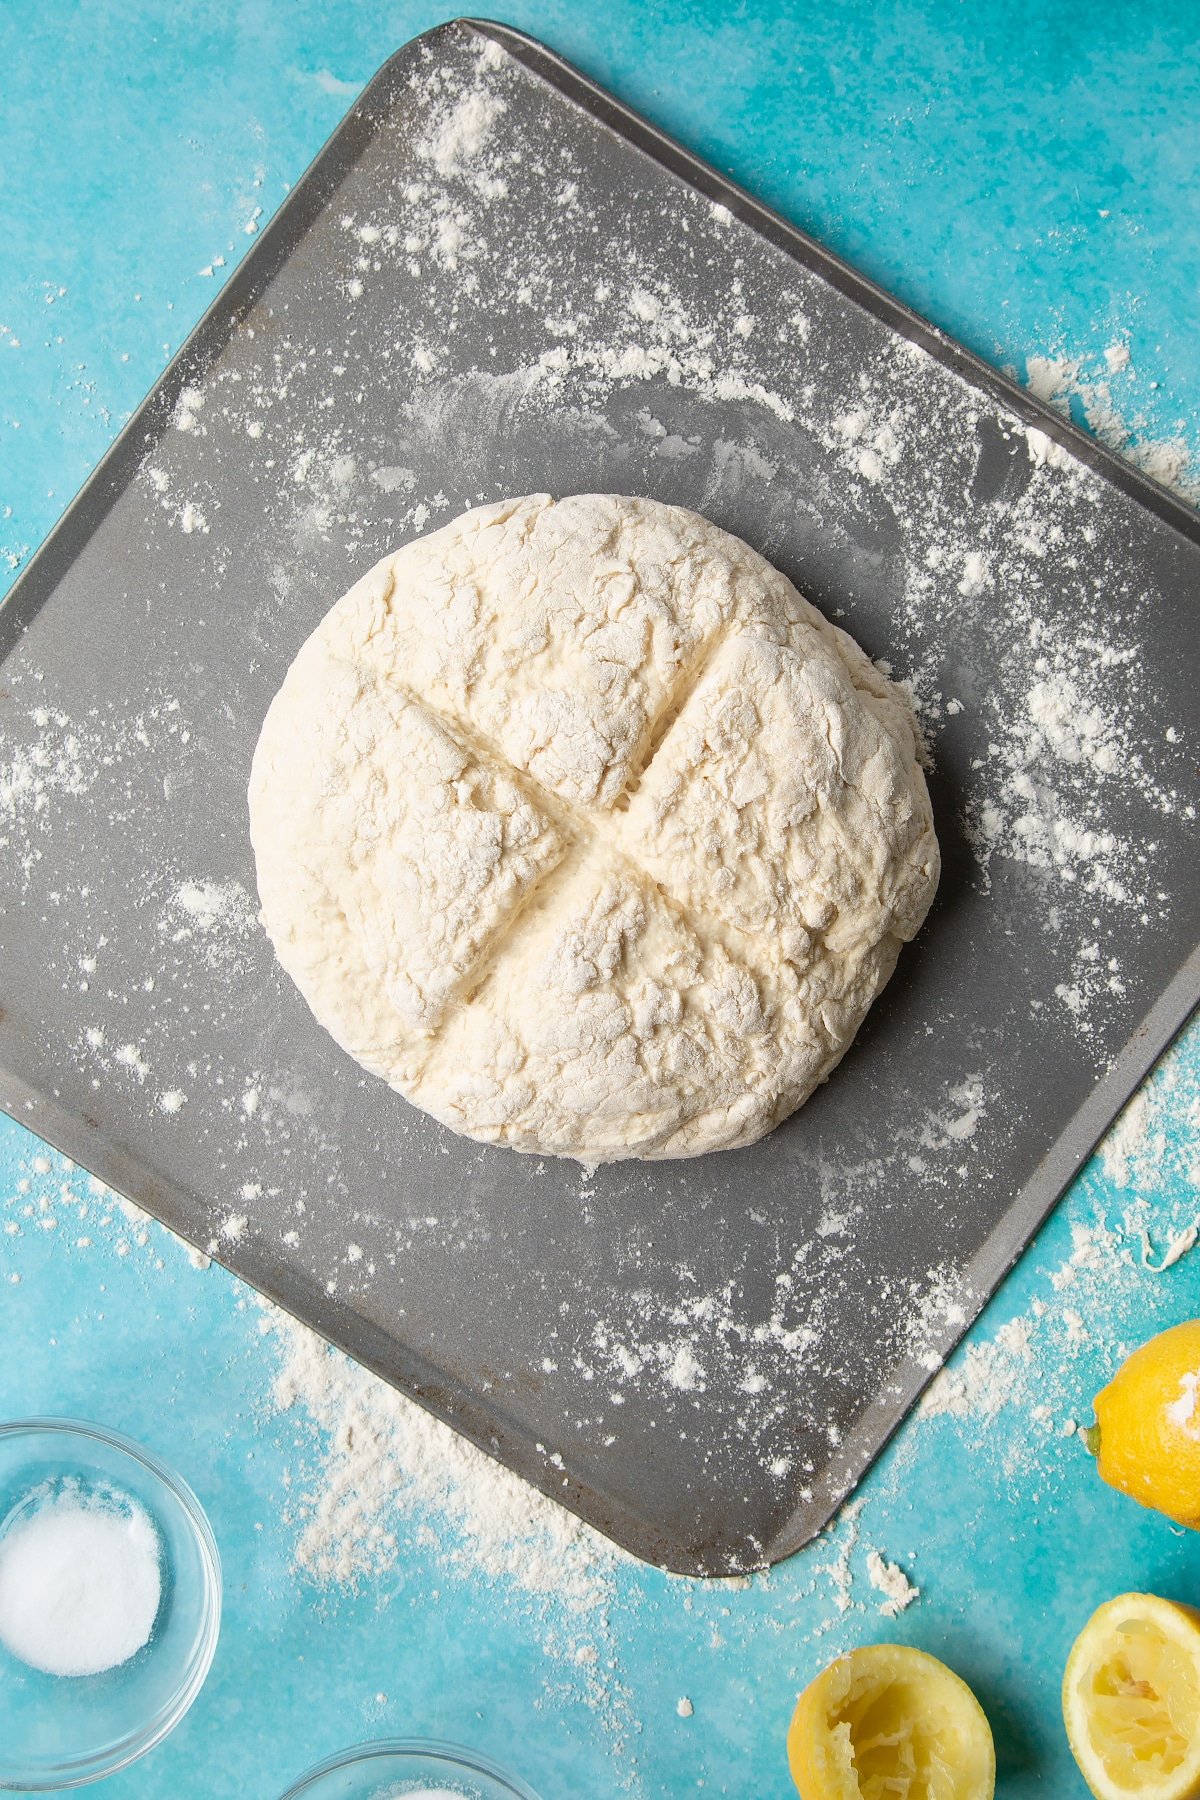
(1177, 1248)
(1055, 760)
(982, 1381)
(1184, 1411)
(844, 1529)
(1032, 1364)
(211, 906)
(891, 1581)
(459, 135)
(63, 760)
(1141, 1154)
(1044, 453)
(966, 1111)
(1152, 1153)
(130, 1057)
(211, 924)
(1084, 382)
(374, 1472)
(388, 1467)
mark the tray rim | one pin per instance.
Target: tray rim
(444, 1396)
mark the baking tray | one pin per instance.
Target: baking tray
(495, 279)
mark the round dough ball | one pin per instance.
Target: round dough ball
(577, 825)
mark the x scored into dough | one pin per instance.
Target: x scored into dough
(580, 827)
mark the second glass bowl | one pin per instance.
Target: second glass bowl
(408, 1769)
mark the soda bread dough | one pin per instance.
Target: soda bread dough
(577, 825)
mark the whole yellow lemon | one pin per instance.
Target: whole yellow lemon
(1146, 1439)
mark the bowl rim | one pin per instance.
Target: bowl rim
(454, 1756)
(74, 1771)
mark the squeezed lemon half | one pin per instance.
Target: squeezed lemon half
(1131, 1700)
(887, 1722)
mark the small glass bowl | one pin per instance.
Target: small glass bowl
(400, 1767)
(59, 1731)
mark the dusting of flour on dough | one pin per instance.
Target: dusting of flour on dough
(500, 907)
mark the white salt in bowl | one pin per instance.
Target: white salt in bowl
(409, 1769)
(60, 1730)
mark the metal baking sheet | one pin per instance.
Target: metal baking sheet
(496, 280)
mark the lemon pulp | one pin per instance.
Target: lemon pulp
(1142, 1703)
(1131, 1700)
(896, 1745)
(889, 1722)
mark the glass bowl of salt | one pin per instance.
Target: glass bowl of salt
(409, 1769)
(110, 1602)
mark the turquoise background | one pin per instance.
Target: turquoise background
(1025, 175)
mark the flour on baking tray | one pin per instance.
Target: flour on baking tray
(369, 1474)
(1028, 1365)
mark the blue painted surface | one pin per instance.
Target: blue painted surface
(1027, 176)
